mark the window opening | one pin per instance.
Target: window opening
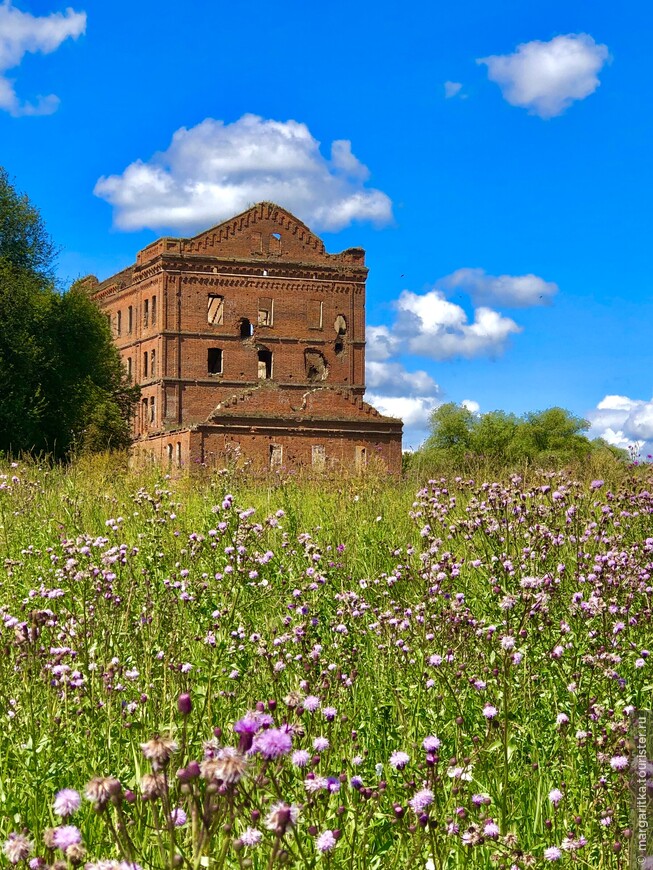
(246, 328)
(153, 364)
(129, 367)
(146, 312)
(264, 364)
(339, 347)
(214, 361)
(130, 319)
(360, 458)
(119, 322)
(145, 369)
(314, 314)
(318, 455)
(152, 411)
(275, 243)
(169, 449)
(179, 453)
(276, 455)
(215, 313)
(340, 325)
(315, 365)
(144, 414)
(153, 310)
(265, 311)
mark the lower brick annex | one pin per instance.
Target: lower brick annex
(248, 342)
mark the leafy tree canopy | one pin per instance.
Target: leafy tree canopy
(62, 385)
(550, 437)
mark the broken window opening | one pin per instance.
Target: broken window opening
(264, 364)
(179, 453)
(119, 323)
(215, 313)
(214, 361)
(152, 410)
(129, 368)
(318, 457)
(144, 415)
(146, 312)
(265, 312)
(339, 347)
(145, 369)
(360, 458)
(314, 314)
(130, 320)
(169, 451)
(275, 243)
(153, 364)
(315, 365)
(153, 310)
(340, 325)
(276, 455)
(246, 328)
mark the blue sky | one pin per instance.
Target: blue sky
(492, 158)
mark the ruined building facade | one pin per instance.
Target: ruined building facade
(248, 341)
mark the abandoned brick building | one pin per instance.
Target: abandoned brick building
(248, 340)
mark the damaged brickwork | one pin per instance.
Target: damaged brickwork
(248, 342)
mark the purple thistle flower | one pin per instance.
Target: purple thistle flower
(552, 854)
(421, 800)
(300, 757)
(311, 703)
(555, 796)
(399, 759)
(619, 762)
(67, 801)
(66, 836)
(320, 744)
(251, 837)
(178, 817)
(491, 829)
(329, 713)
(431, 743)
(325, 842)
(273, 743)
(490, 711)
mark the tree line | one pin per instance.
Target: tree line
(550, 438)
(63, 388)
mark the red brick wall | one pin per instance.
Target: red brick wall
(262, 258)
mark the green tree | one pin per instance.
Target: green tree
(451, 429)
(62, 385)
(493, 433)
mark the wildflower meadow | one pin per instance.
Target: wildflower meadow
(206, 671)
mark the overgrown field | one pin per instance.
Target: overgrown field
(206, 672)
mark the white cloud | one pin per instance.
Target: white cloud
(452, 89)
(515, 291)
(391, 378)
(412, 396)
(623, 421)
(215, 170)
(21, 33)
(431, 326)
(381, 344)
(472, 406)
(546, 77)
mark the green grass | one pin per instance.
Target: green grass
(122, 591)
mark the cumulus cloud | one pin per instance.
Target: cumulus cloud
(547, 77)
(514, 291)
(430, 325)
(452, 89)
(22, 33)
(623, 421)
(396, 392)
(215, 170)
